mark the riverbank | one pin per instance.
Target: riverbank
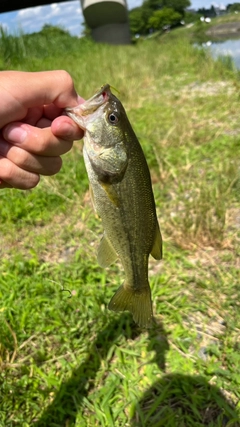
(229, 28)
(228, 24)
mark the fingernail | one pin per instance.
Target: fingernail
(15, 134)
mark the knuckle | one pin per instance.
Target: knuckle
(47, 144)
(66, 79)
(43, 146)
(19, 156)
(43, 142)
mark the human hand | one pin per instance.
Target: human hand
(34, 134)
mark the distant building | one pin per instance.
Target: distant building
(220, 10)
(214, 10)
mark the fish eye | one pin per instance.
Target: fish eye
(113, 118)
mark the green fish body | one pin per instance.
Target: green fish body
(121, 191)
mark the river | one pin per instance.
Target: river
(230, 47)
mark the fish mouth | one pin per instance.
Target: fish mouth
(96, 100)
(88, 107)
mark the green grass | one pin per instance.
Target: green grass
(68, 361)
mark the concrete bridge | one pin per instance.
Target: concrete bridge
(108, 20)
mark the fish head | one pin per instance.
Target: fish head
(104, 121)
(102, 114)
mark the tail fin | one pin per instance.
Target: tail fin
(137, 302)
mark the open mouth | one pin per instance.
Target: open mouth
(81, 114)
(96, 101)
(92, 104)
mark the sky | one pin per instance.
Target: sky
(66, 14)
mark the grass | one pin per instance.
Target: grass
(65, 360)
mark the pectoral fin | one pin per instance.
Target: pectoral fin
(106, 253)
(156, 251)
(111, 193)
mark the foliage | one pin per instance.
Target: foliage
(164, 17)
(138, 20)
(235, 7)
(11, 47)
(177, 5)
(65, 360)
(53, 31)
(51, 40)
(190, 17)
(155, 14)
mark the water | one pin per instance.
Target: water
(229, 47)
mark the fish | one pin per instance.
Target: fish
(122, 196)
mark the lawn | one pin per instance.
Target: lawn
(65, 359)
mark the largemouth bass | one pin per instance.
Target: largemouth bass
(121, 192)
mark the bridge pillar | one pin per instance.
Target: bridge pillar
(108, 20)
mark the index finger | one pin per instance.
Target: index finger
(23, 90)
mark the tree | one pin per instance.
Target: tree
(177, 5)
(139, 16)
(153, 4)
(53, 30)
(138, 20)
(235, 7)
(164, 17)
(191, 17)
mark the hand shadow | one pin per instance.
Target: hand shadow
(178, 400)
(65, 406)
(63, 410)
(173, 401)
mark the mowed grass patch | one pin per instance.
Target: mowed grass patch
(65, 360)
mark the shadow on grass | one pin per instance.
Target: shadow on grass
(175, 400)
(63, 410)
(178, 400)
(184, 401)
